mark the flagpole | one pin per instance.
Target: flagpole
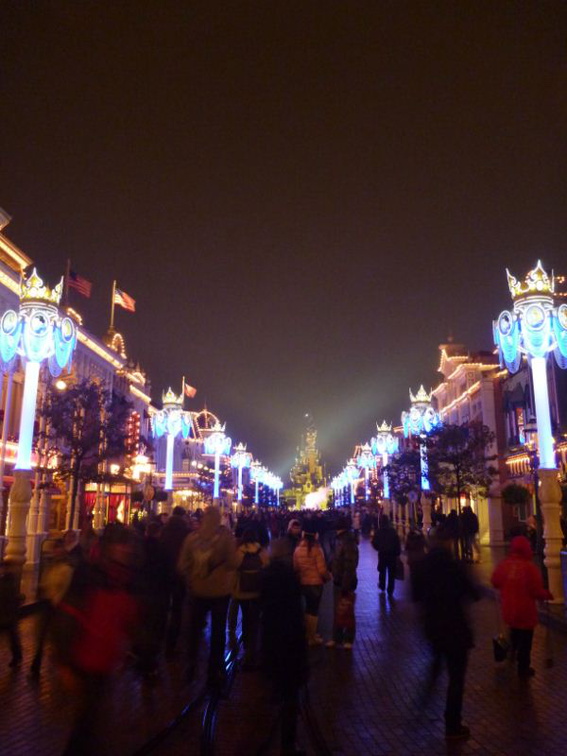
(183, 386)
(66, 287)
(112, 306)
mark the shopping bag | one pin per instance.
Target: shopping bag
(400, 574)
(344, 614)
(500, 647)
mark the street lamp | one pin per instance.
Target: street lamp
(171, 420)
(536, 327)
(217, 443)
(240, 459)
(257, 472)
(39, 332)
(420, 421)
(367, 461)
(383, 445)
(352, 474)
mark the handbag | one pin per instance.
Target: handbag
(500, 643)
(400, 573)
(500, 647)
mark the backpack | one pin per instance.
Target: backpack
(250, 572)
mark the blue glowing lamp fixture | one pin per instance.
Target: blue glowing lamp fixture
(219, 444)
(384, 444)
(38, 331)
(419, 421)
(272, 481)
(352, 474)
(171, 420)
(536, 327)
(240, 459)
(367, 461)
(257, 473)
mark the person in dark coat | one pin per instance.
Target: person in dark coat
(443, 588)
(416, 548)
(287, 543)
(283, 641)
(10, 602)
(343, 569)
(387, 544)
(469, 529)
(172, 536)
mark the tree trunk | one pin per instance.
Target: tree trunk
(74, 490)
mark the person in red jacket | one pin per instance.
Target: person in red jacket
(520, 584)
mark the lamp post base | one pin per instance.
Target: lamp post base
(426, 510)
(550, 498)
(18, 508)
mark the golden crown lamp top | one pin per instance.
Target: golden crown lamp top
(170, 397)
(384, 428)
(33, 289)
(536, 282)
(421, 396)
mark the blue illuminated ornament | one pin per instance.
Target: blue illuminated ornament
(535, 328)
(240, 459)
(352, 475)
(257, 472)
(38, 332)
(384, 444)
(420, 421)
(367, 461)
(171, 420)
(218, 444)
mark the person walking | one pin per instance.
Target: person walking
(207, 561)
(387, 543)
(309, 563)
(469, 529)
(343, 568)
(172, 537)
(251, 558)
(283, 641)
(286, 544)
(443, 589)
(10, 602)
(520, 584)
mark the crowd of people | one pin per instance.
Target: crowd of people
(127, 593)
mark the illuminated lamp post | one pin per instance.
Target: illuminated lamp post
(278, 485)
(171, 421)
(536, 327)
(383, 445)
(240, 460)
(336, 488)
(218, 444)
(257, 472)
(352, 474)
(367, 461)
(38, 333)
(420, 421)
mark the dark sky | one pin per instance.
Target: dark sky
(304, 198)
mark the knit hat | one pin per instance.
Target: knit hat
(293, 523)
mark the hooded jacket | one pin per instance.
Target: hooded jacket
(208, 558)
(520, 584)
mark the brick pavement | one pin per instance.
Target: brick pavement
(366, 701)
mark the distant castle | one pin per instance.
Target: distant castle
(308, 472)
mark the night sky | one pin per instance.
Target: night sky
(304, 198)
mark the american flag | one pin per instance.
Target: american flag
(79, 283)
(124, 300)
